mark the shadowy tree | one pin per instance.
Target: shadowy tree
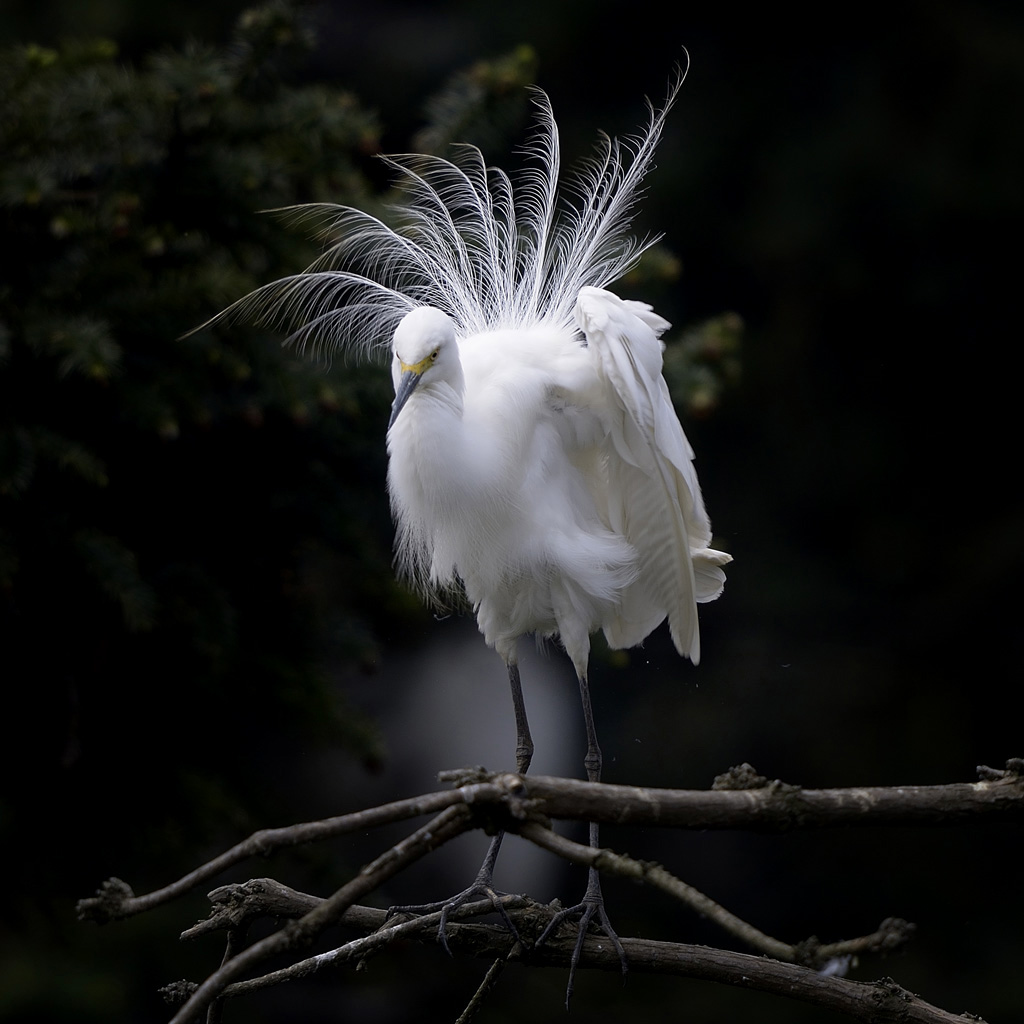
(192, 529)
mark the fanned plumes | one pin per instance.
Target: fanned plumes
(488, 253)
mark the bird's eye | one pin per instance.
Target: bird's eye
(435, 354)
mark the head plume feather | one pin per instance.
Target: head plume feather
(488, 252)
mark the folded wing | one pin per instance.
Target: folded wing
(653, 497)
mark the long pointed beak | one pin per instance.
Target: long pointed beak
(406, 386)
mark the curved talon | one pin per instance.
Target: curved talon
(460, 900)
(481, 887)
(493, 895)
(591, 906)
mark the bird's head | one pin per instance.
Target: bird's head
(425, 351)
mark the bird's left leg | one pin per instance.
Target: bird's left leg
(592, 905)
(483, 884)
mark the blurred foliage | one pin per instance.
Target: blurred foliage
(160, 494)
(704, 362)
(482, 104)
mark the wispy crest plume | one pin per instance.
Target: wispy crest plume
(489, 252)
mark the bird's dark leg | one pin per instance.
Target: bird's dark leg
(524, 742)
(483, 884)
(592, 905)
(593, 761)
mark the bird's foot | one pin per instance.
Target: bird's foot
(482, 888)
(475, 892)
(589, 911)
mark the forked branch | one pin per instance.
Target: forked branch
(741, 799)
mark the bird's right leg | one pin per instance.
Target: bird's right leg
(483, 884)
(524, 742)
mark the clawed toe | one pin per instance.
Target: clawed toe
(590, 910)
(477, 891)
(482, 887)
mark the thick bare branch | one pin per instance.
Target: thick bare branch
(237, 906)
(741, 800)
(874, 1003)
(774, 806)
(880, 1002)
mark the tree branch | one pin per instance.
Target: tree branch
(447, 825)
(743, 800)
(523, 804)
(608, 862)
(115, 899)
(879, 1002)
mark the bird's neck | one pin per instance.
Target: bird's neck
(429, 419)
(443, 398)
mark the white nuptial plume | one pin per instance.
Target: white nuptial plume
(487, 252)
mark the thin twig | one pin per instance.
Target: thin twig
(892, 932)
(647, 872)
(484, 989)
(382, 934)
(115, 898)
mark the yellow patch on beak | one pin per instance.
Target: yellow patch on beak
(419, 367)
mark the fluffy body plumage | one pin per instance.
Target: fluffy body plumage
(546, 471)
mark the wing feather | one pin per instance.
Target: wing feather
(653, 495)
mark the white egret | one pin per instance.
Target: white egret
(536, 464)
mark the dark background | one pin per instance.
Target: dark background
(852, 187)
